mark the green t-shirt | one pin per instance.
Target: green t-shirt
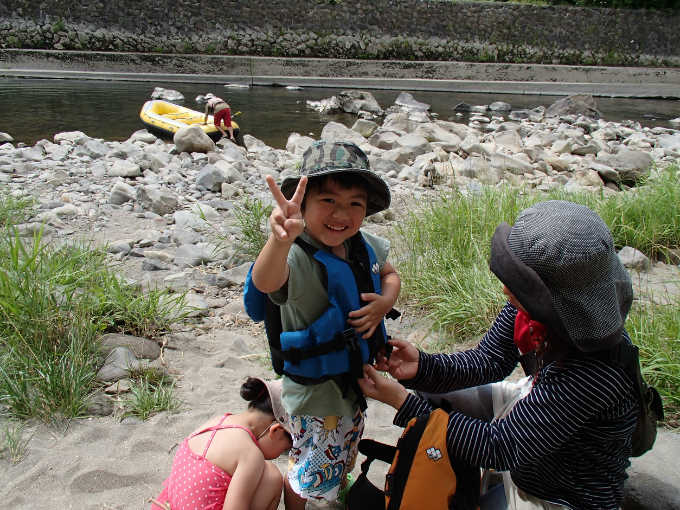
(302, 300)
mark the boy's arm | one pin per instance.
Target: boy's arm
(270, 271)
(367, 318)
(390, 284)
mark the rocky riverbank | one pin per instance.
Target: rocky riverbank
(166, 217)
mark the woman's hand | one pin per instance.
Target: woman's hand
(402, 363)
(377, 386)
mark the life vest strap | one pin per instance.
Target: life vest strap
(341, 341)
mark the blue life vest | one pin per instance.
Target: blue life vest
(329, 347)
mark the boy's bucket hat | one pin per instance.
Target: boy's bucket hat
(324, 158)
(558, 259)
(274, 388)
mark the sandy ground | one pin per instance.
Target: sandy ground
(106, 463)
(109, 463)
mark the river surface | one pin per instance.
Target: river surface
(33, 109)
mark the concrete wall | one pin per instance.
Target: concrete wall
(365, 29)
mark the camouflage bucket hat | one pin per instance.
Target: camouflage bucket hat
(559, 260)
(326, 158)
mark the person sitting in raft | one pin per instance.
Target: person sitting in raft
(220, 110)
(224, 463)
(563, 435)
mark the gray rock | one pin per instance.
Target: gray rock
(354, 101)
(167, 94)
(631, 165)
(99, 404)
(142, 348)
(118, 364)
(365, 127)
(124, 168)
(338, 132)
(210, 178)
(119, 247)
(121, 193)
(298, 144)
(142, 136)
(634, 259)
(160, 201)
(193, 139)
(406, 101)
(579, 104)
(190, 255)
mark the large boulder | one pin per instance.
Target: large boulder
(193, 139)
(354, 101)
(167, 94)
(579, 104)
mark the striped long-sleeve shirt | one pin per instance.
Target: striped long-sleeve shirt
(567, 442)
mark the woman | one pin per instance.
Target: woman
(562, 435)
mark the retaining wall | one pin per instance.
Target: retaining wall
(363, 29)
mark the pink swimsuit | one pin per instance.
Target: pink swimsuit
(195, 483)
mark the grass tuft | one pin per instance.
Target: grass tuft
(442, 252)
(151, 391)
(55, 301)
(251, 216)
(14, 445)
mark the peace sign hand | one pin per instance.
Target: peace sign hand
(286, 219)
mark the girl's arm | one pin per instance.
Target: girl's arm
(245, 479)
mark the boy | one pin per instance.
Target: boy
(308, 278)
(220, 110)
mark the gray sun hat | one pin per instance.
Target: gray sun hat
(559, 261)
(325, 158)
(274, 388)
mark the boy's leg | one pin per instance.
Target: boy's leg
(268, 492)
(324, 451)
(290, 499)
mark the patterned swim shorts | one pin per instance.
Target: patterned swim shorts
(324, 452)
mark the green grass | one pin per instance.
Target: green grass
(647, 218)
(14, 210)
(442, 252)
(151, 391)
(13, 444)
(656, 330)
(251, 218)
(55, 301)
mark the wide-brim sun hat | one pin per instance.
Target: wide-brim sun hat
(559, 261)
(275, 388)
(327, 158)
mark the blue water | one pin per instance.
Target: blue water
(33, 109)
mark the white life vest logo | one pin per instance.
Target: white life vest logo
(375, 268)
(434, 453)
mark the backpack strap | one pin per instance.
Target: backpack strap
(626, 356)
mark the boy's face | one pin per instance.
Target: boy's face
(333, 213)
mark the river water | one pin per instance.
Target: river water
(33, 109)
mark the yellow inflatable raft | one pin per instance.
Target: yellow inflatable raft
(167, 118)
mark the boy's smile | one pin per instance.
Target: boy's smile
(333, 213)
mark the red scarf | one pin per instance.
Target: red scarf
(529, 334)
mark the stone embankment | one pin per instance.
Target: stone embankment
(167, 214)
(413, 30)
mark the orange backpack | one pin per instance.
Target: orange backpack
(421, 474)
